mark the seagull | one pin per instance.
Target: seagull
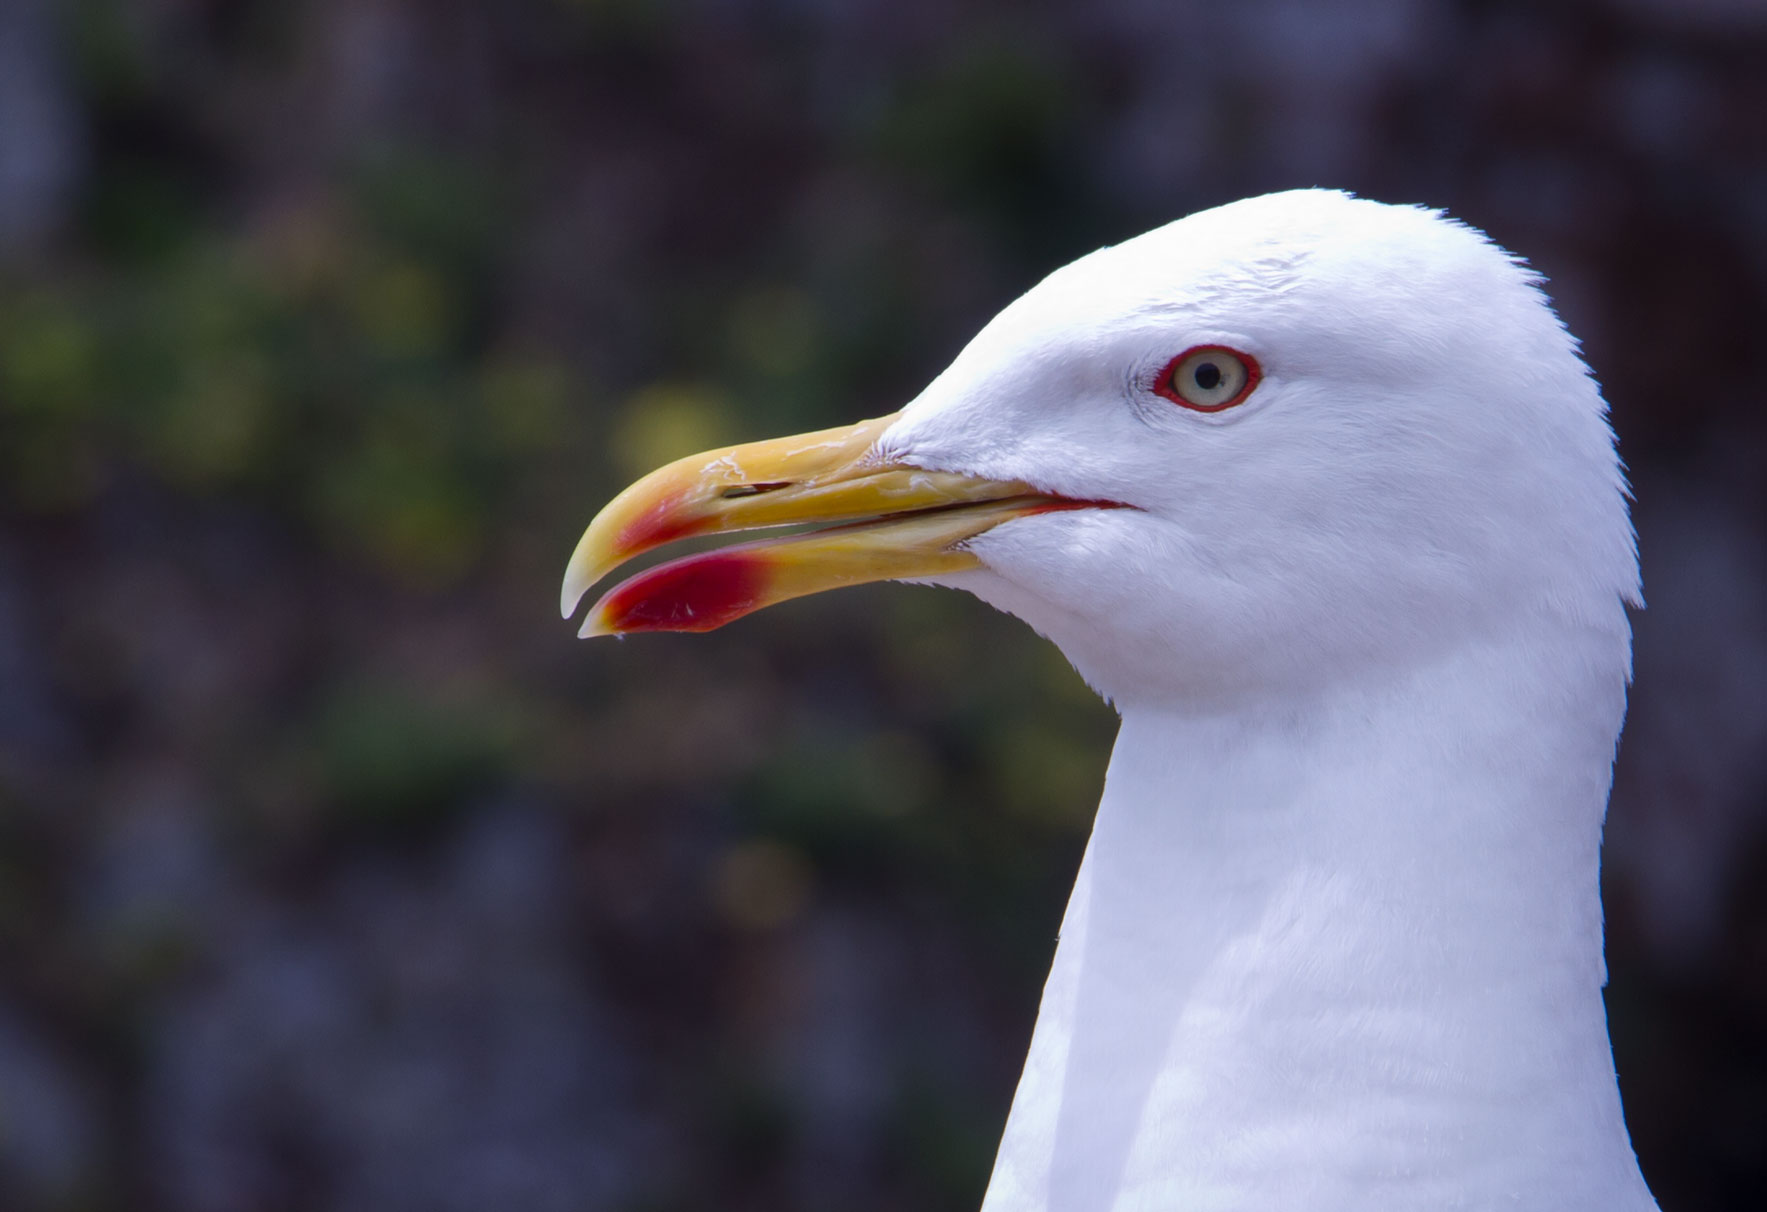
(1319, 493)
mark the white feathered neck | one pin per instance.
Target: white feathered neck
(1341, 954)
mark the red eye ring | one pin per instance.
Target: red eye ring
(1202, 397)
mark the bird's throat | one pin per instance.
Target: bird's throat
(1340, 947)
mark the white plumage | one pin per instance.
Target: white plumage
(1337, 939)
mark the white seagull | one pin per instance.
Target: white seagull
(1319, 493)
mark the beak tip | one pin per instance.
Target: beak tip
(569, 598)
(586, 567)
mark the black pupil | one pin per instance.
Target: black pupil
(1207, 376)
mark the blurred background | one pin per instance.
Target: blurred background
(335, 874)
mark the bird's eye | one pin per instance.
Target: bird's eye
(1208, 378)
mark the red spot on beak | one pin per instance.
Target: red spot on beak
(663, 522)
(699, 593)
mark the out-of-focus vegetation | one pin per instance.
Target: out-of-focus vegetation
(335, 874)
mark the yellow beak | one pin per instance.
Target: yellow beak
(917, 522)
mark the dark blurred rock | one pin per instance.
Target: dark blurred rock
(41, 144)
(1690, 800)
(414, 1034)
(49, 1132)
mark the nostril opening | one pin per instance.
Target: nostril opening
(751, 490)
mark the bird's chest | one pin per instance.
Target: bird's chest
(1250, 1061)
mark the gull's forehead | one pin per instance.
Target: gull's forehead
(1306, 273)
(1232, 264)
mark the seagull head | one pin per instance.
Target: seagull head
(1263, 448)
